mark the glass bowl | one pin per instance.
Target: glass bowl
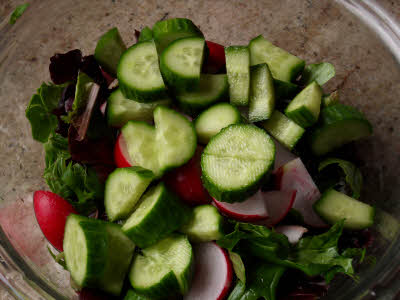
(361, 38)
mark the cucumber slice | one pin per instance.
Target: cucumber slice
(287, 132)
(175, 252)
(145, 35)
(181, 62)
(285, 90)
(97, 253)
(340, 124)
(139, 75)
(205, 224)
(236, 161)
(283, 65)
(123, 189)
(108, 51)
(238, 70)
(212, 120)
(164, 268)
(170, 144)
(167, 31)
(159, 213)
(120, 110)
(133, 295)
(212, 88)
(334, 206)
(262, 95)
(304, 108)
(152, 279)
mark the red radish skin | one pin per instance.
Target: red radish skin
(213, 273)
(252, 209)
(216, 58)
(279, 204)
(121, 155)
(294, 176)
(51, 213)
(293, 232)
(186, 182)
(108, 77)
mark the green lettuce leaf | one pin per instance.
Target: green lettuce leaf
(39, 111)
(76, 183)
(18, 11)
(321, 73)
(353, 176)
(238, 266)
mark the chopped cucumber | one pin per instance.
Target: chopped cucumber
(97, 253)
(284, 89)
(167, 31)
(212, 88)
(334, 206)
(205, 224)
(283, 65)
(108, 51)
(238, 70)
(133, 295)
(164, 268)
(152, 279)
(121, 110)
(159, 213)
(339, 125)
(146, 35)
(236, 161)
(304, 108)
(212, 120)
(123, 189)
(262, 94)
(170, 144)
(139, 75)
(287, 132)
(181, 62)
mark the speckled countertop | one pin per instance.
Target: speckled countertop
(316, 30)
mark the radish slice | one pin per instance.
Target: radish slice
(103, 108)
(293, 232)
(253, 209)
(278, 204)
(213, 273)
(121, 155)
(282, 155)
(294, 176)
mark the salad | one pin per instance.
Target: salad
(179, 168)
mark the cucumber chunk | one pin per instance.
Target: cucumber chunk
(139, 75)
(262, 94)
(146, 35)
(331, 99)
(212, 88)
(304, 108)
(164, 268)
(205, 224)
(133, 295)
(236, 161)
(181, 62)
(121, 110)
(159, 213)
(167, 31)
(212, 120)
(171, 143)
(287, 132)
(152, 279)
(334, 206)
(108, 51)
(238, 70)
(97, 253)
(283, 65)
(123, 189)
(339, 125)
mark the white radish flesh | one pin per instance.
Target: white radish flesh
(293, 232)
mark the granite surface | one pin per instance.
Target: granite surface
(368, 77)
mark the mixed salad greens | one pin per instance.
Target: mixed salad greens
(180, 168)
